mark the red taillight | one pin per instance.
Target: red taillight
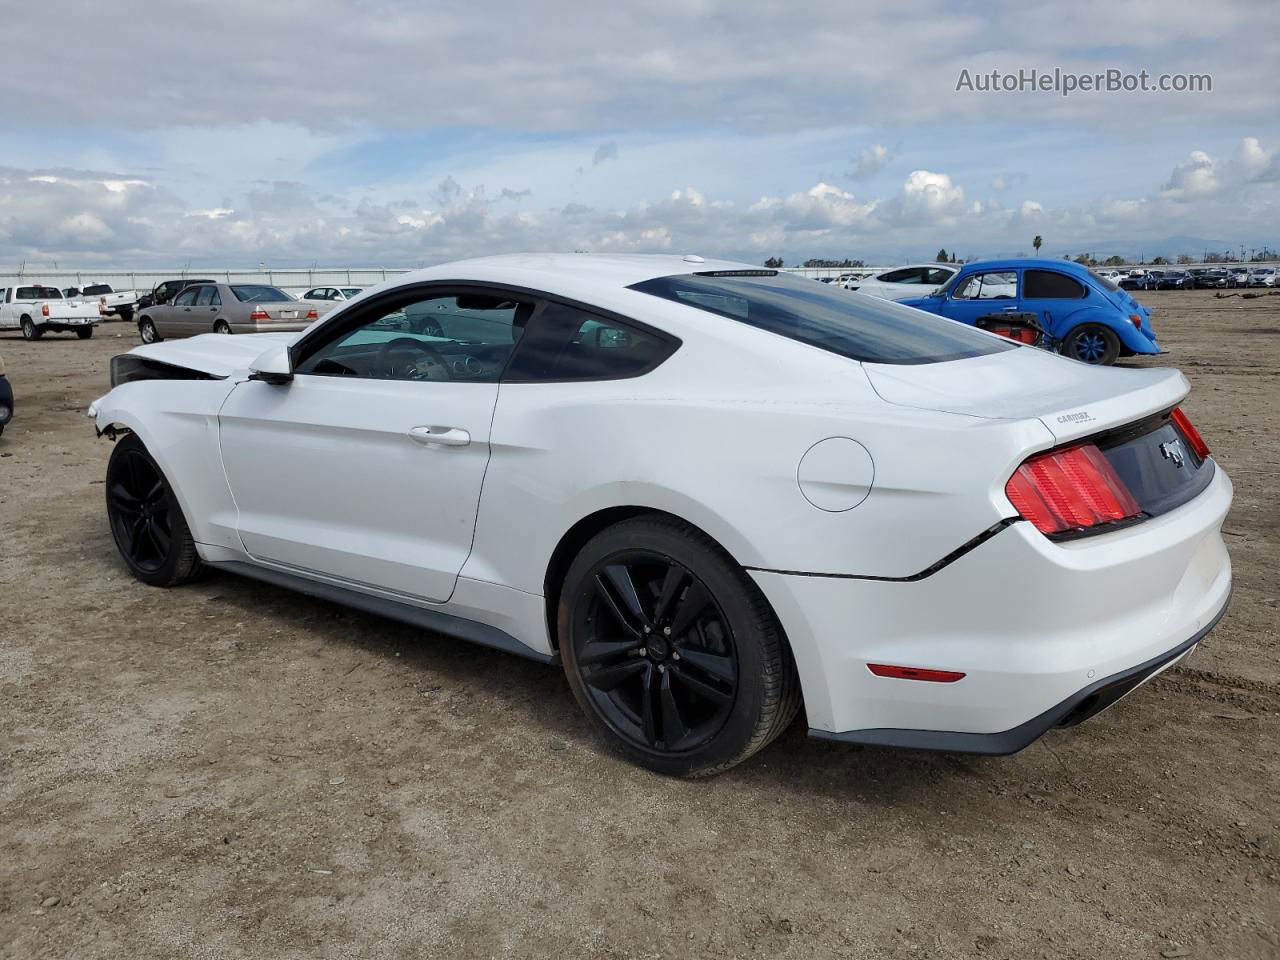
(1069, 489)
(259, 314)
(914, 673)
(312, 315)
(1191, 433)
(44, 310)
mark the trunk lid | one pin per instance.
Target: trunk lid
(1073, 400)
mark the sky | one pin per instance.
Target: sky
(389, 133)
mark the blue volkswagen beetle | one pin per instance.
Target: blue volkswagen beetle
(1085, 316)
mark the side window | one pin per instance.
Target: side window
(187, 297)
(988, 286)
(567, 343)
(311, 295)
(936, 278)
(906, 275)
(204, 296)
(1048, 285)
(465, 336)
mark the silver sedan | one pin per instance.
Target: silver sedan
(227, 308)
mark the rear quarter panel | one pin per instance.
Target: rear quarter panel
(671, 441)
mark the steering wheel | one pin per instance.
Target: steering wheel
(432, 365)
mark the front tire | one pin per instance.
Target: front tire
(30, 331)
(147, 331)
(1092, 343)
(671, 649)
(145, 519)
(84, 333)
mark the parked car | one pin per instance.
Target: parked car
(1241, 275)
(684, 481)
(1141, 280)
(1216, 279)
(1088, 318)
(1176, 280)
(1115, 276)
(1262, 277)
(37, 310)
(165, 291)
(330, 295)
(904, 281)
(6, 398)
(226, 308)
(114, 303)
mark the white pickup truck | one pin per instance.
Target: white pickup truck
(37, 310)
(114, 303)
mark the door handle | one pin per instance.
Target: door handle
(445, 436)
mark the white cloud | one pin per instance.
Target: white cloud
(1196, 175)
(928, 196)
(869, 162)
(77, 216)
(1008, 181)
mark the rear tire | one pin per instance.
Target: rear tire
(30, 331)
(222, 327)
(147, 331)
(671, 649)
(1092, 343)
(84, 333)
(145, 519)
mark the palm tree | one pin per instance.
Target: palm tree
(1036, 243)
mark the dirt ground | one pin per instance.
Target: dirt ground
(232, 770)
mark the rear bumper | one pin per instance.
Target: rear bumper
(284, 326)
(1072, 711)
(67, 323)
(1037, 628)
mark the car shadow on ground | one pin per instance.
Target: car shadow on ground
(538, 696)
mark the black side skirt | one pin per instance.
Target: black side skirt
(1077, 708)
(481, 633)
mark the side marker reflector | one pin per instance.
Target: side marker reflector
(914, 673)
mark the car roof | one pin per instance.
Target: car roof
(577, 275)
(1022, 263)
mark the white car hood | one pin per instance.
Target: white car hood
(1072, 399)
(216, 354)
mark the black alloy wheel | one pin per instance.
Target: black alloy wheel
(655, 651)
(146, 521)
(672, 651)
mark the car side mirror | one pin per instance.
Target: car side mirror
(274, 366)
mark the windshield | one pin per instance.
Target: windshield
(861, 328)
(259, 293)
(351, 291)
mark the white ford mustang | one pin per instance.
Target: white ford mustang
(715, 493)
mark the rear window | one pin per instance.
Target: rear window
(37, 293)
(861, 328)
(259, 293)
(97, 289)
